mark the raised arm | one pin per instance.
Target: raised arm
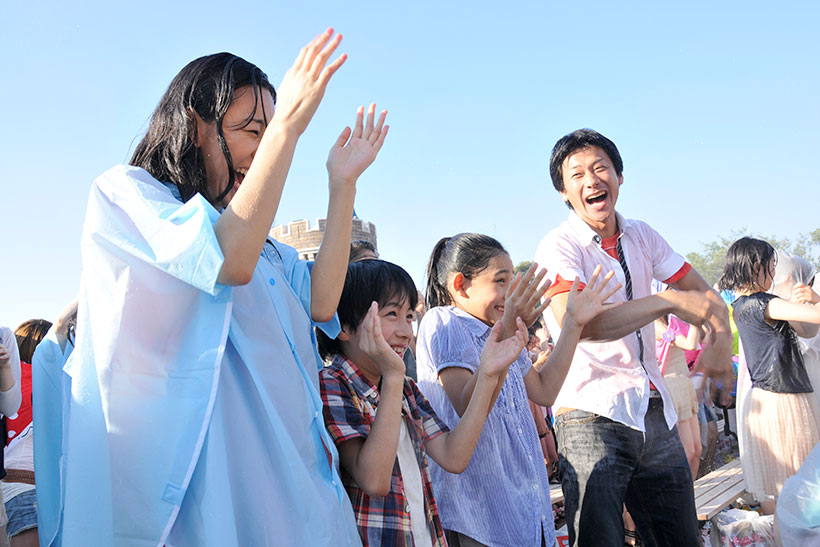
(370, 460)
(543, 386)
(352, 153)
(244, 225)
(803, 318)
(522, 300)
(453, 450)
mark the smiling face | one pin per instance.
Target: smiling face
(484, 294)
(591, 186)
(241, 136)
(397, 328)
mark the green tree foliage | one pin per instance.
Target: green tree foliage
(709, 262)
(522, 267)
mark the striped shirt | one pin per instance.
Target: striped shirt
(502, 498)
(350, 402)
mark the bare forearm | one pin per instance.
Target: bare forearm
(6, 378)
(328, 275)
(548, 381)
(373, 465)
(457, 446)
(460, 399)
(619, 320)
(244, 225)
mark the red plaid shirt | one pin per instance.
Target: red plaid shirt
(350, 401)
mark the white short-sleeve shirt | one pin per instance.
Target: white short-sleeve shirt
(607, 378)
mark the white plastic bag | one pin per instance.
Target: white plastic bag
(736, 527)
(798, 507)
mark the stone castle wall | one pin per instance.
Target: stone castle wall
(306, 236)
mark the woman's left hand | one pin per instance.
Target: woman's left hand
(355, 149)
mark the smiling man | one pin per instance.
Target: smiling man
(615, 419)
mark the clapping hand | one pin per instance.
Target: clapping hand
(355, 149)
(498, 355)
(373, 344)
(584, 305)
(803, 294)
(523, 299)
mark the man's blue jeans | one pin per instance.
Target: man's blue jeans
(605, 464)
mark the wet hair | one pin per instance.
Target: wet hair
(743, 259)
(368, 281)
(29, 334)
(578, 140)
(468, 254)
(206, 86)
(359, 249)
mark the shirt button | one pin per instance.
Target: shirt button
(316, 414)
(333, 483)
(272, 282)
(407, 508)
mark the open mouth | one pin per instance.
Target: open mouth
(597, 200)
(399, 350)
(239, 176)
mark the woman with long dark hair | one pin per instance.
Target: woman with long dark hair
(194, 416)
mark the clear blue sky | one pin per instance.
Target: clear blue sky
(714, 106)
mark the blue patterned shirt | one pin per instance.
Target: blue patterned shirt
(502, 498)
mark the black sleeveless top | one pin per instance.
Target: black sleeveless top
(772, 353)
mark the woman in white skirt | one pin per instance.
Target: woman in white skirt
(781, 410)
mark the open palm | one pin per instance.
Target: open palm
(498, 355)
(583, 306)
(355, 149)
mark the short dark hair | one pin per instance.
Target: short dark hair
(578, 140)
(205, 86)
(359, 248)
(742, 260)
(368, 281)
(468, 254)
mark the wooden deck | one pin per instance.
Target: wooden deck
(718, 489)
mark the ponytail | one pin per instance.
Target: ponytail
(437, 294)
(468, 254)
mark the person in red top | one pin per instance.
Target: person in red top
(18, 484)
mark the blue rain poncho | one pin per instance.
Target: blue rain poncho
(194, 415)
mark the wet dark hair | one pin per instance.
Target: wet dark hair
(359, 248)
(742, 260)
(468, 254)
(206, 86)
(29, 334)
(366, 281)
(578, 140)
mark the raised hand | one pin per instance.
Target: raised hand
(355, 149)
(498, 355)
(583, 306)
(803, 294)
(305, 82)
(373, 344)
(524, 294)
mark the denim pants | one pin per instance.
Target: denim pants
(605, 464)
